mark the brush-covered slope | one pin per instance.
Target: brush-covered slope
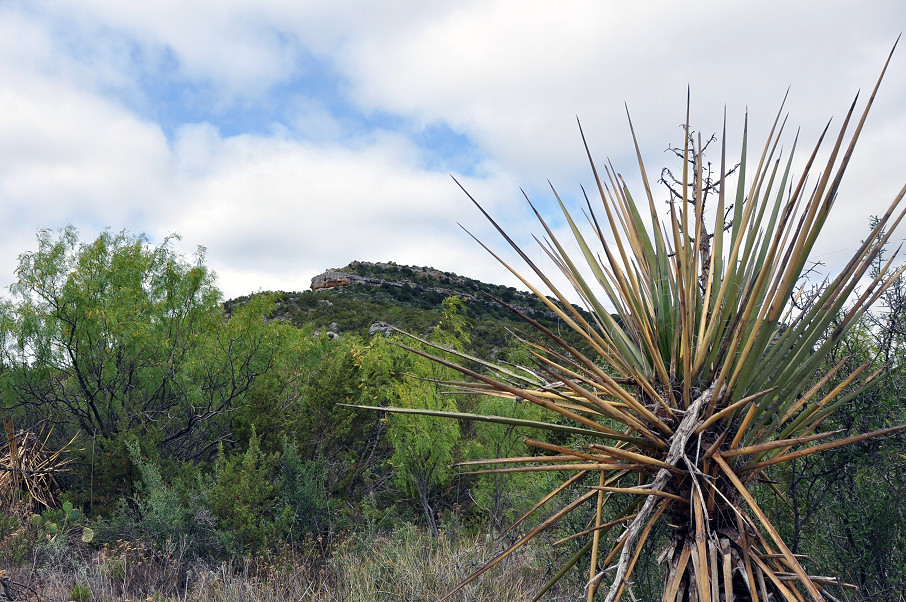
(364, 297)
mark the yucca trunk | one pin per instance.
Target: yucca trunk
(709, 554)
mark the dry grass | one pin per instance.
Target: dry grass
(400, 566)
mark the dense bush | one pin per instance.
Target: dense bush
(246, 498)
(306, 494)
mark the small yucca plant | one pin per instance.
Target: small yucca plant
(27, 464)
(703, 346)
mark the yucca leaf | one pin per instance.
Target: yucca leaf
(578, 466)
(517, 460)
(640, 491)
(549, 522)
(563, 570)
(788, 556)
(822, 447)
(772, 445)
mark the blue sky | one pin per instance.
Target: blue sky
(290, 137)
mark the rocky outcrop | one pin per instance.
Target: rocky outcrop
(381, 327)
(334, 278)
(330, 279)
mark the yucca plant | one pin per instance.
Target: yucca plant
(696, 369)
(27, 464)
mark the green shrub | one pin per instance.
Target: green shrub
(245, 496)
(80, 593)
(162, 515)
(305, 493)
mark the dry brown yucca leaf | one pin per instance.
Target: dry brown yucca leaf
(28, 466)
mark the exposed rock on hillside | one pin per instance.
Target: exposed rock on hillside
(334, 278)
(421, 280)
(381, 327)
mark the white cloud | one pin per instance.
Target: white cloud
(326, 187)
(287, 210)
(513, 75)
(68, 155)
(231, 45)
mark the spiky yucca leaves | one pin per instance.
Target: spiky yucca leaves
(26, 464)
(696, 383)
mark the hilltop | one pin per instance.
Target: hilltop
(365, 297)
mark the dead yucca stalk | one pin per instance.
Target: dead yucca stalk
(27, 465)
(696, 383)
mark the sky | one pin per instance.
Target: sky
(287, 137)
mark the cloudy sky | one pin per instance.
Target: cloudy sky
(291, 136)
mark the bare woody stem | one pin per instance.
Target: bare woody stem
(677, 450)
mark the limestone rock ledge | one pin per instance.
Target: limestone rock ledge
(333, 279)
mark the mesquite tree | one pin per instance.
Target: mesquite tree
(118, 337)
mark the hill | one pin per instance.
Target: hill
(364, 298)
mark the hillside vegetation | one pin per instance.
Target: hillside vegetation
(408, 298)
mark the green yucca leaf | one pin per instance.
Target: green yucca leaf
(548, 426)
(563, 570)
